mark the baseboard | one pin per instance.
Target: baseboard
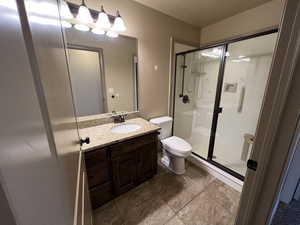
(218, 173)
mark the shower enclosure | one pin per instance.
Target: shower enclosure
(218, 95)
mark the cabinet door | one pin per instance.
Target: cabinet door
(147, 163)
(125, 172)
(101, 194)
(98, 167)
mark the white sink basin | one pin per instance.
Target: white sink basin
(125, 128)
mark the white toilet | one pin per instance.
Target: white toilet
(175, 149)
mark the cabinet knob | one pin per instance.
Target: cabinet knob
(84, 141)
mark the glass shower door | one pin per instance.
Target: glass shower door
(244, 82)
(196, 81)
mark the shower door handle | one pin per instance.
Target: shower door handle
(219, 110)
(252, 164)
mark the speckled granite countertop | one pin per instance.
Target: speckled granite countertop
(101, 135)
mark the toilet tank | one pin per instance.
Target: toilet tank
(165, 123)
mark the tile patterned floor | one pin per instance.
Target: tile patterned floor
(195, 198)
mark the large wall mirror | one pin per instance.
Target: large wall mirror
(103, 72)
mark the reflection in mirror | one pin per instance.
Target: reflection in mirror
(103, 71)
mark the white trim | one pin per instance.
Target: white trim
(83, 198)
(76, 208)
(218, 173)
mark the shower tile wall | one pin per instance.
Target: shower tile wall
(193, 120)
(183, 112)
(236, 120)
(206, 84)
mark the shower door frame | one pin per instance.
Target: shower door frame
(217, 108)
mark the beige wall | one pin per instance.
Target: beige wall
(261, 17)
(153, 31)
(179, 47)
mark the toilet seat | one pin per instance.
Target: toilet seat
(177, 146)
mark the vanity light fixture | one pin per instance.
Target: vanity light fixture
(84, 14)
(65, 11)
(66, 24)
(98, 31)
(65, 15)
(103, 20)
(119, 25)
(85, 19)
(81, 27)
(112, 34)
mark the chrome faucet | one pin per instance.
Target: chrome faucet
(118, 118)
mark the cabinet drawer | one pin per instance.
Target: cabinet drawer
(96, 157)
(101, 194)
(132, 145)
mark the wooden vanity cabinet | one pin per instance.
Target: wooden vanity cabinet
(116, 169)
(147, 162)
(125, 172)
(98, 168)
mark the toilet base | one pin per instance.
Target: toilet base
(174, 163)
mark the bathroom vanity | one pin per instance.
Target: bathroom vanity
(116, 163)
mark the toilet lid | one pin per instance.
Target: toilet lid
(161, 120)
(177, 144)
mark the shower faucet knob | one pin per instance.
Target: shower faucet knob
(185, 99)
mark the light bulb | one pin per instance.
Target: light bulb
(81, 27)
(84, 15)
(98, 31)
(65, 11)
(66, 24)
(119, 24)
(103, 20)
(112, 34)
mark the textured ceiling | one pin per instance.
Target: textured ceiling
(201, 12)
